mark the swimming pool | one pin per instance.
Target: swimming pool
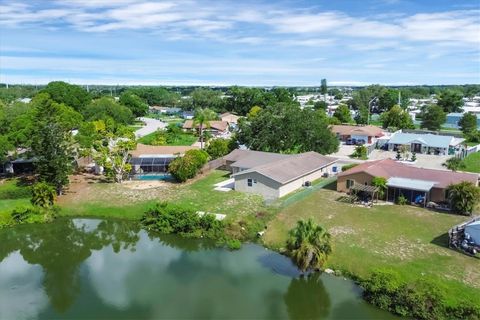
(154, 177)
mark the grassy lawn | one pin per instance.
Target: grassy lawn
(472, 162)
(408, 239)
(123, 202)
(12, 195)
(182, 139)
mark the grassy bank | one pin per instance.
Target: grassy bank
(472, 162)
(410, 240)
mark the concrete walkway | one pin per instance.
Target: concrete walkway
(151, 125)
(225, 186)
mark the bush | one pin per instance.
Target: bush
(421, 299)
(349, 166)
(43, 195)
(234, 244)
(187, 167)
(218, 148)
(463, 197)
(170, 218)
(360, 152)
(401, 200)
(32, 215)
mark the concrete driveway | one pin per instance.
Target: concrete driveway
(423, 160)
(151, 125)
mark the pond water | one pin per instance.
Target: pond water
(93, 269)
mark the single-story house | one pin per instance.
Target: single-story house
(147, 159)
(164, 110)
(368, 134)
(188, 115)
(230, 118)
(454, 118)
(426, 143)
(274, 175)
(402, 179)
(217, 128)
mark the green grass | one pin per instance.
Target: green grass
(472, 162)
(243, 210)
(410, 240)
(182, 139)
(472, 144)
(13, 189)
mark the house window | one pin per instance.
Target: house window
(349, 183)
(249, 182)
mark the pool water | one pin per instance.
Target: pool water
(154, 177)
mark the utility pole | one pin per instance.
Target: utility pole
(369, 107)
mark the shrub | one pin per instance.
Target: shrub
(360, 152)
(187, 167)
(170, 218)
(414, 157)
(349, 166)
(401, 200)
(32, 215)
(421, 299)
(218, 148)
(454, 164)
(234, 244)
(463, 197)
(43, 195)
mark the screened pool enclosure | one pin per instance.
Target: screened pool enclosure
(150, 165)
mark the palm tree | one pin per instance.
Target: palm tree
(202, 118)
(454, 164)
(463, 197)
(309, 245)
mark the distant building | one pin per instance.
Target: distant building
(454, 118)
(368, 134)
(217, 128)
(188, 115)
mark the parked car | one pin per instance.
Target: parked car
(360, 142)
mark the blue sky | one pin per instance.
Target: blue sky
(349, 42)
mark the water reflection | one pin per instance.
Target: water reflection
(112, 269)
(307, 298)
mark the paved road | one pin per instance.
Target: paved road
(151, 125)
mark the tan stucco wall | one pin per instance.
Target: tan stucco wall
(264, 186)
(297, 184)
(359, 178)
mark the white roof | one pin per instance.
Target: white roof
(410, 184)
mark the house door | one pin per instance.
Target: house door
(417, 147)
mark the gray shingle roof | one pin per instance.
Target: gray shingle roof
(290, 167)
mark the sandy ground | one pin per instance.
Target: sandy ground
(423, 160)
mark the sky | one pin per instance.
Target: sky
(251, 43)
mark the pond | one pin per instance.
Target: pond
(93, 269)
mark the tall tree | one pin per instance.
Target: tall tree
(397, 118)
(287, 128)
(433, 117)
(324, 88)
(133, 102)
(71, 95)
(202, 118)
(468, 124)
(450, 101)
(52, 141)
(309, 245)
(343, 114)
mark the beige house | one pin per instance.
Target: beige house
(274, 175)
(403, 179)
(230, 118)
